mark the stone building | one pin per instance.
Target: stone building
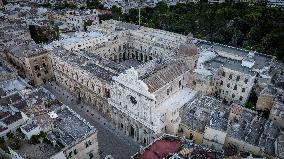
(1, 4)
(7, 71)
(88, 78)
(74, 19)
(79, 3)
(204, 120)
(279, 146)
(228, 73)
(207, 121)
(266, 98)
(144, 82)
(31, 61)
(244, 129)
(277, 111)
(70, 137)
(36, 111)
(133, 76)
(151, 103)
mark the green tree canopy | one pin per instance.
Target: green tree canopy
(238, 24)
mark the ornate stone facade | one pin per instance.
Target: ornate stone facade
(135, 77)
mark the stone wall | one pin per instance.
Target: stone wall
(85, 148)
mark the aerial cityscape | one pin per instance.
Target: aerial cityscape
(173, 79)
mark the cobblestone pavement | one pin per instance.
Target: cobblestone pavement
(110, 141)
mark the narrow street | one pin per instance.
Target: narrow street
(110, 141)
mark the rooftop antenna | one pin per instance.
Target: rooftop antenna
(139, 10)
(139, 17)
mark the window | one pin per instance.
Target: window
(107, 93)
(133, 100)
(91, 155)
(168, 91)
(36, 67)
(230, 77)
(238, 78)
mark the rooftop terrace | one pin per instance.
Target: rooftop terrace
(247, 127)
(42, 150)
(205, 111)
(228, 63)
(26, 50)
(69, 128)
(12, 86)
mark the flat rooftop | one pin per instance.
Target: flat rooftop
(230, 64)
(205, 111)
(11, 86)
(79, 37)
(69, 128)
(232, 57)
(42, 150)
(4, 70)
(248, 127)
(25, 50)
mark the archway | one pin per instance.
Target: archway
(132, 131)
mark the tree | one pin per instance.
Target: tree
(162, 7)
(116, 12)
(34, 139)
(93, 4)
(10, 135)
(2, 141)
(5, 2)
(238, 24)
(87, 23)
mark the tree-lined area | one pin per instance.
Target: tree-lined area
(253, 27)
